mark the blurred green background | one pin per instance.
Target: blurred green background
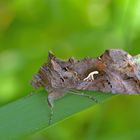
(79, 28)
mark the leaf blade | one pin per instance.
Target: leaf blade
(31, 114)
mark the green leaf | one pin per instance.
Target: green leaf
(31, 113)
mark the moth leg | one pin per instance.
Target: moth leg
(50, 116)
(50, 103)
(51, 97)
(85, 95)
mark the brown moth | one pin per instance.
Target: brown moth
(114, 71)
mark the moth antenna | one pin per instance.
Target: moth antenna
(50, 100)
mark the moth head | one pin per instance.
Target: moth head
(36, 81)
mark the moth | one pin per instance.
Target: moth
(114, 71)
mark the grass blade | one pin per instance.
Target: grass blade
(31, 114)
